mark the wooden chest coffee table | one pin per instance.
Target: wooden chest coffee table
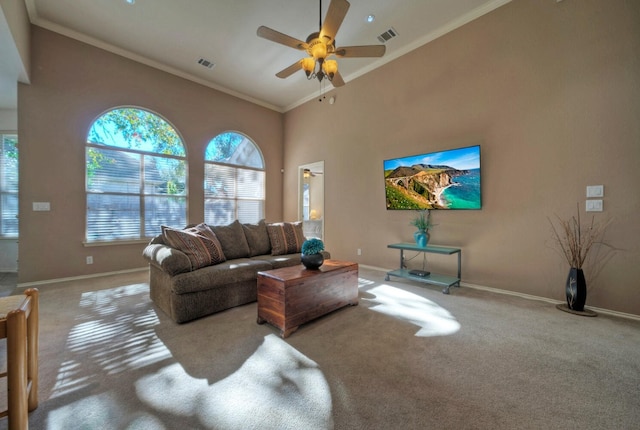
(291, 296)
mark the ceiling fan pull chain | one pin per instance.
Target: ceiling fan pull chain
(323, 90)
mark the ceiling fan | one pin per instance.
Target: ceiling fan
(310, 173)
(321, 45)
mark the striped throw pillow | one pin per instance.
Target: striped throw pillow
(199, 243)
(285, 237)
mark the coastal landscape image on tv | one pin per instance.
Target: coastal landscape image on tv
(439, 180)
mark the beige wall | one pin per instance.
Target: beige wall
(551, 93)
(73, 83)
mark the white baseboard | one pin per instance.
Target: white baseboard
(526, 296)
(76, 278)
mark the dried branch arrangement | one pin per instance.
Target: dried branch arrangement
(575, 240)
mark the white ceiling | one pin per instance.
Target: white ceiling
(172, 35)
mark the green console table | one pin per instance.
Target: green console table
(432, 278)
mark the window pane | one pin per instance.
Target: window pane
(164, 176)
(9, 163)
(250, 211)
(220, 181)
(250, 184)
(169, 211)
(133, 128)
(219, 212)
(112, 217)
(8, 185)
(9, 206)
(234, 148)
(110, 171)
(222, 147)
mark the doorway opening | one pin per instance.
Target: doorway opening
(311, 199)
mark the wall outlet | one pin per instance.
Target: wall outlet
(89, 259)
(359, 251)
(594, 206)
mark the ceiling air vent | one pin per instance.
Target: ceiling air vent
(388, 35)
(206, 63)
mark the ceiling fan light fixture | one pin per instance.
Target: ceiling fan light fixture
(308, 65)
(330, 67)
(318, 49)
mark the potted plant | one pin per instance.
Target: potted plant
(574, 241)
(423, 223)
(312, 257)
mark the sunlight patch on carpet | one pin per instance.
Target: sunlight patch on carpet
(432, 319)
(276, 388)
(101, 411)
(108, 339)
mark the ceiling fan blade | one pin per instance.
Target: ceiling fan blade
(335, 15)
(361, 51)
(276, 36)
(337, 80)
(285, 73)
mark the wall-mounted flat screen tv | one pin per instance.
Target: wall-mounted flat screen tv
(438, 180)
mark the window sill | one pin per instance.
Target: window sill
(116, 242)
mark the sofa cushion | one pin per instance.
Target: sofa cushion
(278, 261)
(219, 276)
(167, 258)
(257, 238)
(285, 237)
(232, 239)
(198, 243)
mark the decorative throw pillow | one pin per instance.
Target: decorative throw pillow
(199, 243)
(285, 237)
(257, 238)
(232, 239)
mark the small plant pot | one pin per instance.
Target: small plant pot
(312, 261)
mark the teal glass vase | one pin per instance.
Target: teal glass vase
(421, 237)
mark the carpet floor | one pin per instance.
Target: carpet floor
(406, 357)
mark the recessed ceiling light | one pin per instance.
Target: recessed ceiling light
(130, 1)
(371, 18)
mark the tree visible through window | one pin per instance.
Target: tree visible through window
(8, 185)
(135, 176)
(234, 183)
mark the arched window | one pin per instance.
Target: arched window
(136, 176)
(234, 180)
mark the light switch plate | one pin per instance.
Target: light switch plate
(595, 190)
(41, 206)
(594, 206)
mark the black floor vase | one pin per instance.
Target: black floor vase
(576, 290)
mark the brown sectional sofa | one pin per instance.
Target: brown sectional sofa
(185, 291)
